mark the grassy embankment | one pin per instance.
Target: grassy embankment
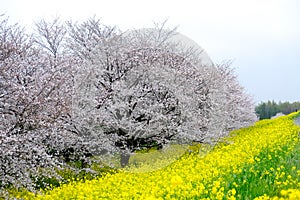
(258, 162)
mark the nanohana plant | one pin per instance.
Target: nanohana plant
(259, 162)
(71, 91)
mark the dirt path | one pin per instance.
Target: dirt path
(297, 121)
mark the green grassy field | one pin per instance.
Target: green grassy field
(258, 162)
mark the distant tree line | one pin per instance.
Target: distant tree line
(266, 110)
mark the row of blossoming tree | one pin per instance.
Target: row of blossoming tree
(71, 91)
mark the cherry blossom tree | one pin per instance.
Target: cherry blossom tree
(71, 91)
(239, 105)
(35, 90)
(233, 108)
(142, 90)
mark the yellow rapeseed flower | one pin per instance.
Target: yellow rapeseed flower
(194, 176)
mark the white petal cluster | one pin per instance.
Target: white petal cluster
(73, 91)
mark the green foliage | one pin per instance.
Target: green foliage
(266, 110)
(44, 183)
(271, 173)
(172, 152)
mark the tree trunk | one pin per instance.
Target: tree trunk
(124, 159)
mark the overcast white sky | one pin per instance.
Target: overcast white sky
(262, 37)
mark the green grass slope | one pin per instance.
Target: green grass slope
(258, 162)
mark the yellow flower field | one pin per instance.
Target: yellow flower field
(247, 155)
